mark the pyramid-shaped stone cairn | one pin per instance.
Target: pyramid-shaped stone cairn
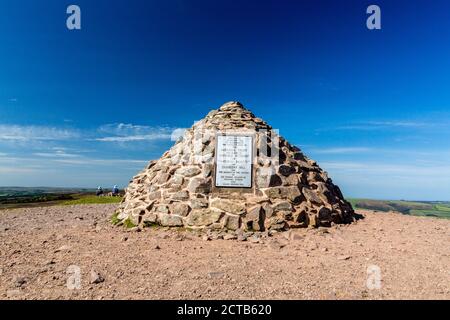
(231, 170)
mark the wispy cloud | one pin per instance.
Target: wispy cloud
(16, 170)
(93, 161)
(409, 169)
(347, 150)
(56, 154)
(386, 124)
(123, 132)
(12, 100)
(35, 133)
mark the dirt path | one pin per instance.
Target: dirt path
(42, 249)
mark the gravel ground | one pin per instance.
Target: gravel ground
(43, 249)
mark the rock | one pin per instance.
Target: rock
(232, 222)
(154, 195)
(230, 206)
(255, 218)
(290, 192)
(180, 237)
(47, 262)
(177, 180)
(241, 237)
(20, 281)
(180, 196)
(254, 239)
(282, 206)
(286, 170)
(275, 223)
(179, 208)
(169, 220)
(189, 171)
(63, 248)
(162, 208)
(96, 277)
(311, 196)
(229, 236)
(265, 178)
(149, 219)
(324, 214)
(199, 185)
(199, 203)
(163, 178)
(275, 245)
(202, 217)
(344, 257)
(157, 247)
(268, 209)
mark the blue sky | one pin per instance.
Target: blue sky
(90, 107)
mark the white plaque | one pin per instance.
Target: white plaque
(234, 161)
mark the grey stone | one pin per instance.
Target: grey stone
(177, 180)
(189, 171)
(180, 195)
(199, 185)
(291, 192)
(162, 208)
(154, 195)
(202, 217)
(255, 218)
(235, 207)
(96, 277)
(20, 281)
(232, 222)
(229, 236)
(179, 208)
(311, 196)
(149, 218)
(169, 220)
(282, 206)
(198, 203)
(163, 178)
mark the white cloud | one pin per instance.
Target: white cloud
(123, 132)
(177, 133)
(59, 154)
(93, 161)
(146, 137)
(35, 133)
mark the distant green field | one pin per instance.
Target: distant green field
(17, 197)
(89, 199)
(437, 209)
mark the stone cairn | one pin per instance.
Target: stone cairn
(288, 189)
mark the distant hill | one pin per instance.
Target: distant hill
(439, 209)
(17, 197)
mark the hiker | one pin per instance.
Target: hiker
(99, 191)
(115, 191)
